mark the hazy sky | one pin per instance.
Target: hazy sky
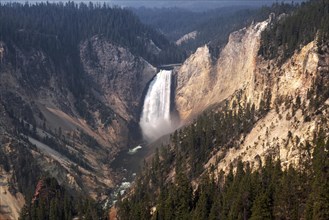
(190, 4)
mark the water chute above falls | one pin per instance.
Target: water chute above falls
(156, 120)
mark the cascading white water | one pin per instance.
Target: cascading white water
(155, 120)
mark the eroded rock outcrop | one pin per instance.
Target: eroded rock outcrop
(286, 130)
(119, 77)
(202, 82)
(283, 132)
(74, 137)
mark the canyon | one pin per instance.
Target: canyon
(240, 75)
(91, 117)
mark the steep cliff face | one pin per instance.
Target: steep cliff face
(287, 128)
(119, 77)
(241, 76)
(193, 81)
(73, 137)
(202, 83)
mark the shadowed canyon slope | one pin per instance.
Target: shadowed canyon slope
(70, 95)
(33, 91)
(80, 87)
(119, 77)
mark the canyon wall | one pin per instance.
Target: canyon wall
(242, 76)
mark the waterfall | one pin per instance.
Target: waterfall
(155, 120)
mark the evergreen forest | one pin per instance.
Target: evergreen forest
(309, 21)
(268, 193)
(58, 28)
(176, 182)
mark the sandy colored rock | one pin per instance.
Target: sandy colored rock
(202, 82)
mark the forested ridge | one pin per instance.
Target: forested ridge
(45, 198)
(59, 28)
(213, 27)
(292, 31)
(175, 22)
(52, 201)
(268, 193)
(42, 41)
(178, 183)
(175, 184)
(216, 30)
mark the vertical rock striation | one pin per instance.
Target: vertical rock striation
(240, 72)
(202, 82)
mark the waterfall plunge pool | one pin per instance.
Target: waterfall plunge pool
(155, 122)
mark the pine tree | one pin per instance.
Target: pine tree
(215, 209)
(261, 209)
(52, 210)
(318, 202)
(184, 193)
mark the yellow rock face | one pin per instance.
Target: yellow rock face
(201, 83)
